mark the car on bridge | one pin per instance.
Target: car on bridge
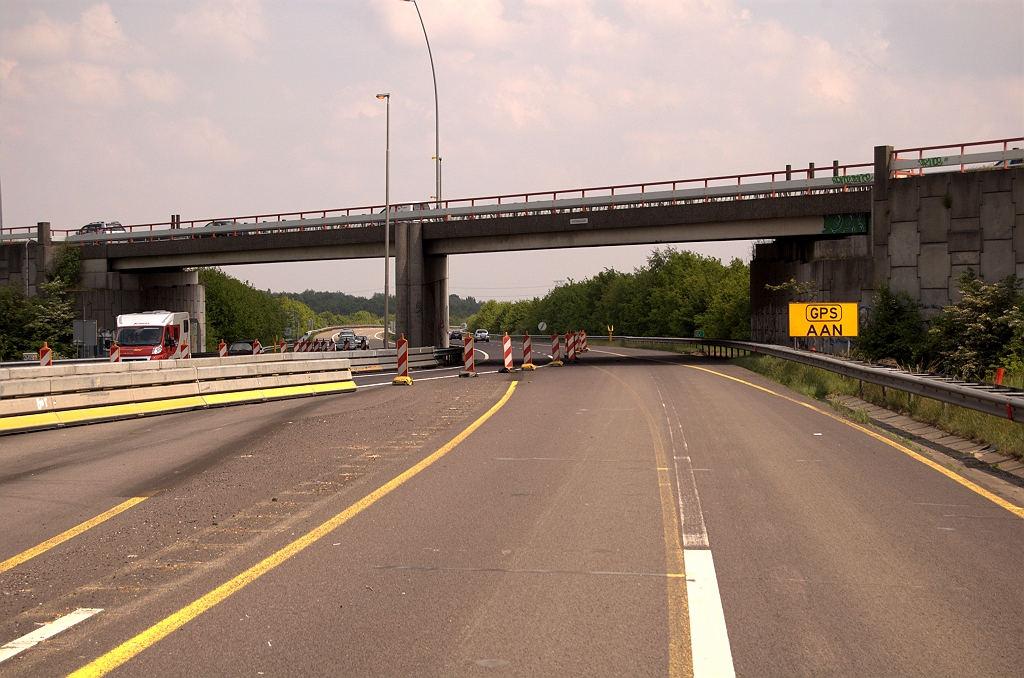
(101, 227)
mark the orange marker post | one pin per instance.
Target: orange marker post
(528, 353)
(403, 378)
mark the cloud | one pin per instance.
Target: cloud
(96, 36)
(163, 87)
(230, 28)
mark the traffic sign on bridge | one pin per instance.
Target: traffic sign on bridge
(823, 320)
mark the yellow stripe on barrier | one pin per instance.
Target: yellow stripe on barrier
(29, 421)
(231, 398)
(335, 387)
(288, 391)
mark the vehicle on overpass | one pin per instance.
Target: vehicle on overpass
(153, 335)
(101, 227)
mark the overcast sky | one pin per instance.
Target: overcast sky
(132, 111)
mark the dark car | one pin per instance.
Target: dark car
(455, 335)
(243, 347)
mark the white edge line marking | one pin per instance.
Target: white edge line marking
(712, 655)
(46, 631)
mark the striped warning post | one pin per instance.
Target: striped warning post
(556, 351)
(222, 349)
(284, 346)
(402, 347)
(570, 346)
(468, 358)
(506, 349)
(115, 353)
(528, 353)
(257, 348)
(583, 342)
(45, 355)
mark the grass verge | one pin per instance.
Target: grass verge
(1005, 435)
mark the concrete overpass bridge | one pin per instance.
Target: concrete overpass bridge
(806, 205)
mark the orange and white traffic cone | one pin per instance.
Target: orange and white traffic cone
(506, 349)
(115, 353)
(528, 353)
(402, 348)
(45, 356)
(468, 359)
(222, 349)
(556, 351)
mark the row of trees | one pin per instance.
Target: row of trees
(676, 294)
(969, 339)
(25, 323)
(237, 310)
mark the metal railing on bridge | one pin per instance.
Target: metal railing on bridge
(772, 184)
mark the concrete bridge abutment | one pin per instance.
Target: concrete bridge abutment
(421, 289)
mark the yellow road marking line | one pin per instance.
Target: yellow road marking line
(1012, 508)
(680, 651)
(68, 534)
(122, 653)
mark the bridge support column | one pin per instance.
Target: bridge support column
(421, 289)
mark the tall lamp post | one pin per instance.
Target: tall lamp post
(437, 124)
(387, 212)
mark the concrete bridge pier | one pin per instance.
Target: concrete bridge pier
(106, 294)
(421, 289)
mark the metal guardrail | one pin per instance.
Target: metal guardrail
(999, 401)
(856, 176)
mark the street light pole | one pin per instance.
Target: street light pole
(437, 123)
(387, 212)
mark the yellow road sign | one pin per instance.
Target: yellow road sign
(823, 320)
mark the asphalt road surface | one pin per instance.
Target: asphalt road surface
(635, 514)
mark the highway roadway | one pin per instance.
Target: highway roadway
(635, 514)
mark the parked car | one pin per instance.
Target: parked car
(482, 335)
(243, 347)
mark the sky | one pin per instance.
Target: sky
(133, 111)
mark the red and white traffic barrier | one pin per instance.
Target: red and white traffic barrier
(583, 342)
(222, 349)
(556, 350)
(570, 346)
(528, 353)
(402, 348)
(45, 356)
(257, 348)
(115, 353)
(468, 358)
(506, 349)
(284, 346)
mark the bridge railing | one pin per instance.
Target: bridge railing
(809, 180)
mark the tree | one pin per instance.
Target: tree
(896, 329)
(973, 337)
